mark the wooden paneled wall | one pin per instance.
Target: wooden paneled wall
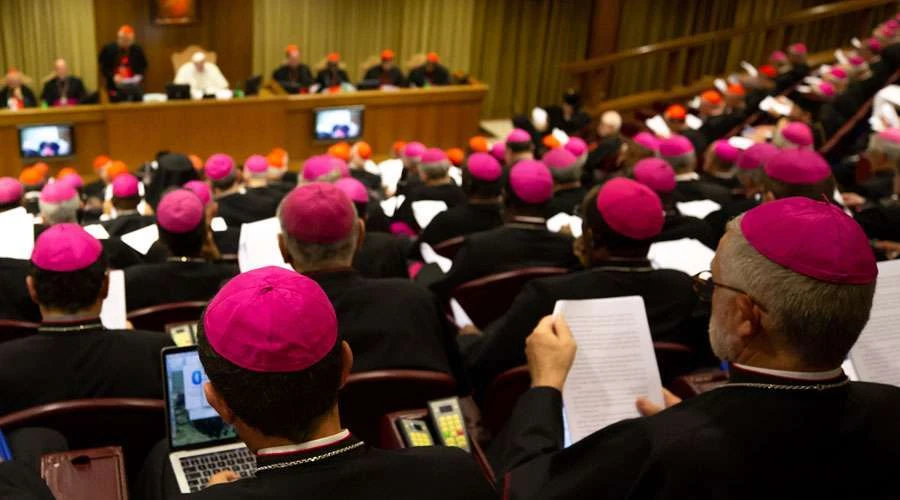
(223, 26)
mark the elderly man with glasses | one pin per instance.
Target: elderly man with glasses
(791, 288)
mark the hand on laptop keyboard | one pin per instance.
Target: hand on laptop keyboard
(225, 476)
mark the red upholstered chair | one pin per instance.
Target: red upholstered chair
(155, 318)
(501, 396)
(673, 360)
(448, 248)
(12, 329)
(132, 423)
(487, 298)
(698, 382)
(368, 396)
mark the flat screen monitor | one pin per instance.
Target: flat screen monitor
(338, 124)
(46, 141)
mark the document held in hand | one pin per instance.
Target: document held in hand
(615, 363)
(876, 355)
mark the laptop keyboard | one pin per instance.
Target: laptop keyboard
(198, 468)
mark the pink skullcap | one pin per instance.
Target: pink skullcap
(778, 56)
(11, 190)
(340, 165)
(631, 208)
(257, 164)
(317, 166)
(756, 156)
(826, 89)
(58, 192)
(518, 135)
(64, 248)
(498, 151)
(856, 60)
(798, 48)
(271, 320)
(890, 135)
(73, 180)
(531, 182)
(433, 155)
(401, 228)
(354, 189)
(798, 133)
(676, 145)
(656, 174)
(219, 166)
(484, 167)
(179, 211)
(647, 140)
(201, 189)
(838, 72)
(813, 238)
(576, 146)
(559, 158)
(413, 150)
(873, 44)
(724, 151)
(125, 186)
(797, 166)
(318, 213)
(892, 24)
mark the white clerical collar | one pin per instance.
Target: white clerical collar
(315, 443)
(826, 375)
(690, 176)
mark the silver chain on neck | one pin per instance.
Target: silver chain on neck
(786, 387)
(308, 460)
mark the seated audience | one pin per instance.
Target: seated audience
(797, 172)
(15, 303)
(436, 185)
(276, 359)
(392, 323)
(126, 197)
(294, 76)
(63, 89)
(679, 153)
(567, 190)
(719, 167)
(787, 406)
(517, 147)
(73, 356)
(236, 206)
(483, 184)
(621, 219)
(360, 157)
(749, 173)
(386, 72)
(256, 179)
(523, 241)
(333, 75)
(188, 274)
(430, 74)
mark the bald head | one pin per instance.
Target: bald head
(13, 78)
(61, 68)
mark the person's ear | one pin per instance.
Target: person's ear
(217, 402)
(282, 246)
(747, 318)
(768, 196)
(346, 362)
(32, 289)
(360, 234)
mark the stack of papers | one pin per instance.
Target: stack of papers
(432, 257)
(390, 205)
(426, 210)
(686, 255)
(17, 228)
(699, 209)
(556, 223)
(391, 171)
(142, 239)
(876, 355)
(97, 231)
(113, 310)
(258, 246)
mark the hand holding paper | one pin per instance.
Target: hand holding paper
(551, 352)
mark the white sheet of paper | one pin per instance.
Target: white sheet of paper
(426, 210)
(558, 221)
(699, 208)
(693, 122)
(17, 228)
(720, 85)
(657, 124)
(258, 245)
(97, 231)
(371, 167)
(113, 310)
(455, 173)
(850, 370)
(739, 142)
(841, 57)
(142, 239)
(615, 363)
(218, 224)
(876, 355)
(460, 318)
(856, 43)
(391, 170)
(750, 69)
(432, 257)
(560, 136)
(390, 205)
(804, 89)
(686, 255)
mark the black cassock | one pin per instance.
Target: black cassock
(79, 360)
(881, 222)
(293, 80)
(382, 255)
(174, 281)
(393, 76)
(112, 58)
(567, 201)
(358, 473)
(331, 77)
(15, 302)
(18, 480)
(451, 194)
(679, 226)
(420, 76)
(719, 219)
(462, 220)
(694, 190)
(124, 224)
(28, 99)
(733, 442)
(673, 311)
(241, 208)
(71, 88)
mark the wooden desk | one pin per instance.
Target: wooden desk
(442, 117)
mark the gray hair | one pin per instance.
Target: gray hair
(58, 213)
(682, 164)
(889, 149)
(613, 119)
(312, 256)
(435, 170)
(225, 182)
(566, 175)
(815, 320)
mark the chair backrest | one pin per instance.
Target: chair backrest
(179, 59)
(448, 248)
(369, 395)
(12, 329)
(487, 298)
(132, 423)
(155, 318)
(673, 360)
(501, 396)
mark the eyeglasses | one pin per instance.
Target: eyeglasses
(704, 286)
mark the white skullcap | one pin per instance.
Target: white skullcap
(198, 57)
(539, 118)
(612, 118)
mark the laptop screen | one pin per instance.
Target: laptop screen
(192, 422)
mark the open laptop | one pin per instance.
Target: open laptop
(201, 443)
